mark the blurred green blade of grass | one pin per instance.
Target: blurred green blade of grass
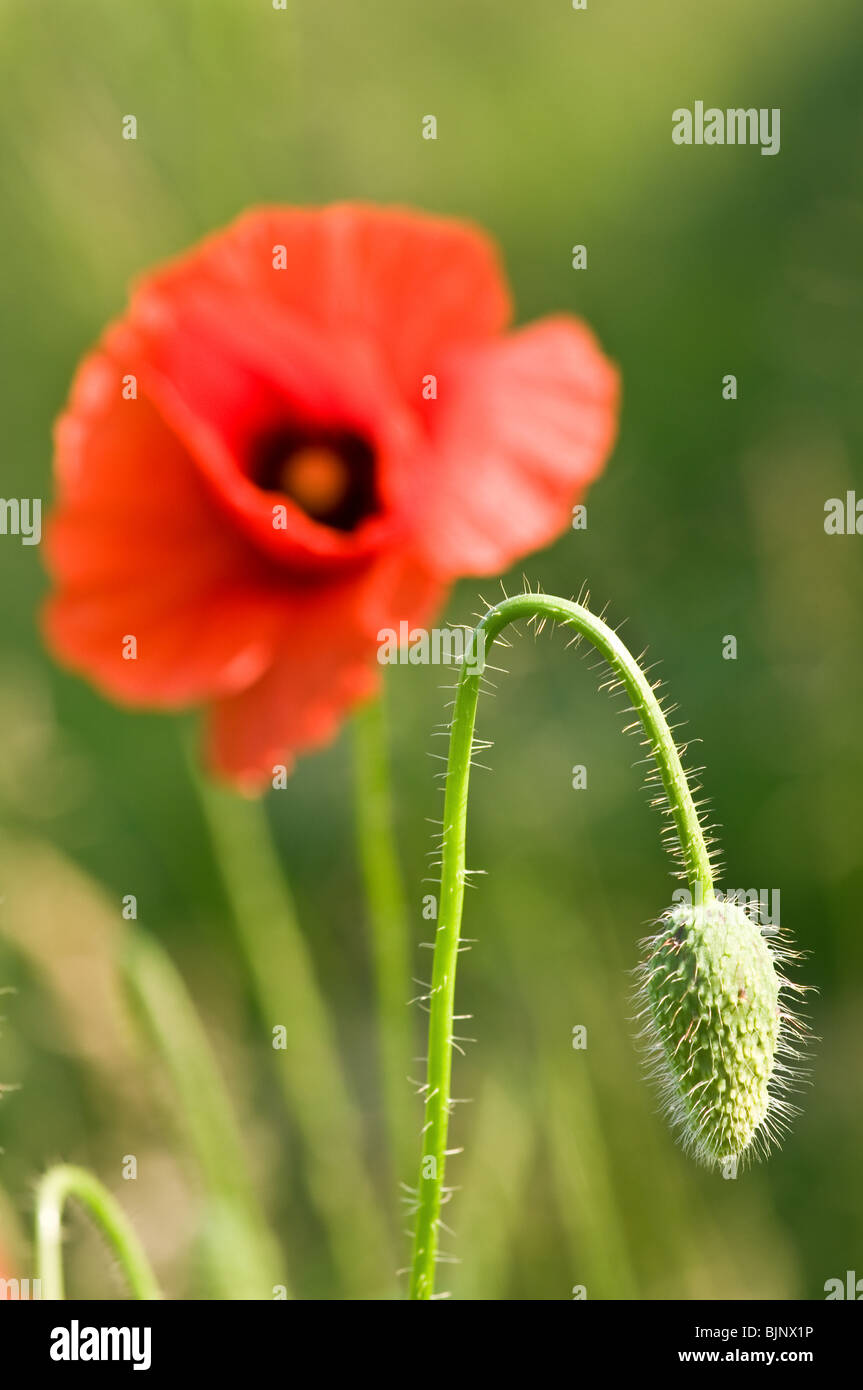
(308, 1066)
(244, 1260)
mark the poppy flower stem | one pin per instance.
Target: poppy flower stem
(54, 1190)
(430, 1193)
(298, 1030)
(243, 1259)
(387, 916)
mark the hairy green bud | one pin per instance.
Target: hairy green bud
(711, 997)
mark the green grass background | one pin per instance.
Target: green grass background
(553, 128)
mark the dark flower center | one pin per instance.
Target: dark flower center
(329, 476)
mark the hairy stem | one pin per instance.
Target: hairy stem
(54, 1189)
(696, 862)
(387, 913)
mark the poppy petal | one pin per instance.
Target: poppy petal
(327, 664)
(519, 429)
(367, 345)
(139, 548)
(222, 382)
(410, 286)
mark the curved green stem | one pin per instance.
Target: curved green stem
(696, 862)
(387, 913)
(54, 1189)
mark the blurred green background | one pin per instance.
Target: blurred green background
(553, 129)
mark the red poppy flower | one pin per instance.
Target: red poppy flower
(301, 432)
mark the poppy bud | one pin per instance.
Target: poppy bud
(710, 995)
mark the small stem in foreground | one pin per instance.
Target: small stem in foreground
(54, 1189)
(387, 914)
(696, 862)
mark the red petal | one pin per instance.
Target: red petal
(138, 547)
(407, 284)
(326, 666)
(225, 371)
(520, 427)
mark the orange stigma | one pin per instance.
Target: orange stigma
(316, 477)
